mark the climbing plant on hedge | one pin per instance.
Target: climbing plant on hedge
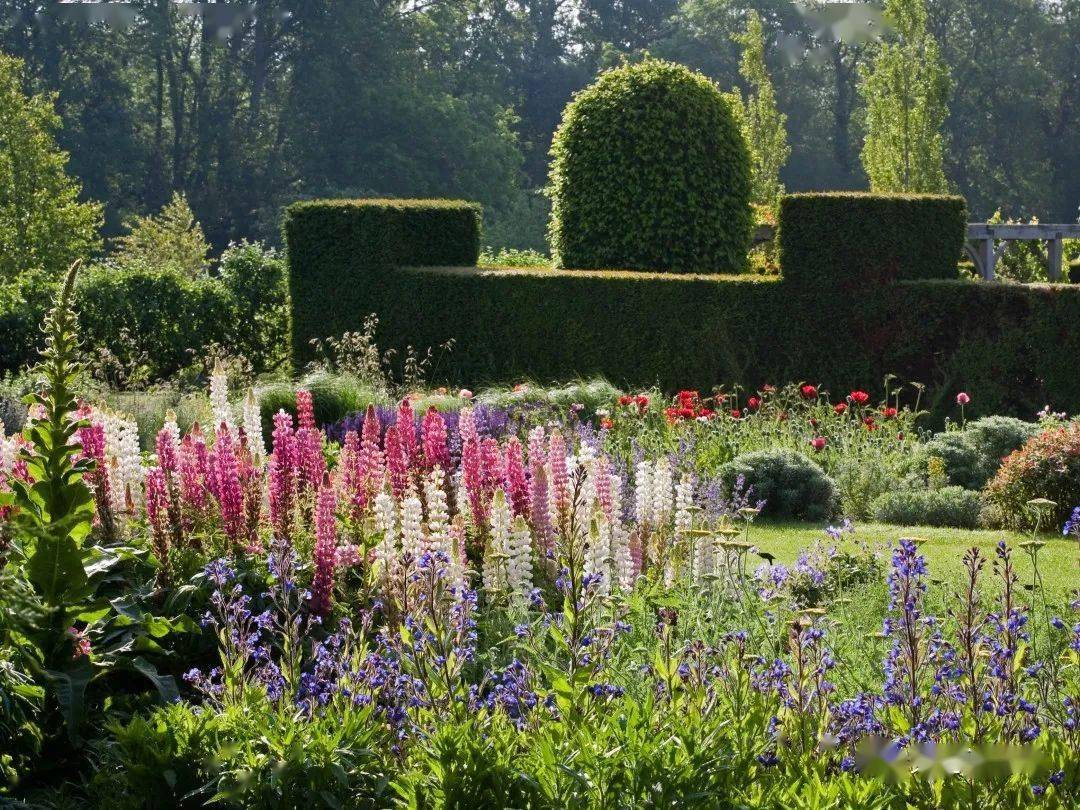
(650, 172)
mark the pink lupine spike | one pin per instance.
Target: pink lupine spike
(165, 447)
(354, 486)
(397, 462)
(305, 409)
(227, 488)
(602, 477)
(372, 461)
(472, 477)
(492, 459)
(282, 474)
(516, 480)
(157, 514)
(540, 511)
(251, 486)
(193, 490)
(560, 478)
(325, 552)
(406, 427)
(433, 434)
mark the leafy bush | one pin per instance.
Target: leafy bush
(884, 238)
(650, 172)
(255, 277)
(790, 483)
(972, 455)
(170, 241)
(949, 506)
(340, 245)
(334, 396)
(1047, 466)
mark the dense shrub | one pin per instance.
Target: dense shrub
(972, 455)
(650, 171)
(338, 249)
(850, 240)
(790, 483)
(23, 304)
(255, 277)
(1047, 466)
(949, 506)
(334, 396)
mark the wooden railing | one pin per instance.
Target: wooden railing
(981, 238)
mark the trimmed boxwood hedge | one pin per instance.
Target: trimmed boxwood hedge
(849, 240)
(340, 250)
(1009, 346)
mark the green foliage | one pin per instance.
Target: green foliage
(1046, 467)
(883, 238)
(334, 396)
(789, 482)
(973, 454)
(255, 278)
(43, 225)
(23, 304)
(955, 507)
(510, 257)
(905, 88)
(650, 172)
(763, 125)
(170, 241)
(340, 245)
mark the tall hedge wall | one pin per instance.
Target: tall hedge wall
(1009, 346)
(340, 251)
(849, 240)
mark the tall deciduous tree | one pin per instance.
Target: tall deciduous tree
(905, 88)
(764, 126)
(43, 225)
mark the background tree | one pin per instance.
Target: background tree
(171, 241)
(43, 225)
(905, 88)
(763, 125)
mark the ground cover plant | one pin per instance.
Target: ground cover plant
(527, 596)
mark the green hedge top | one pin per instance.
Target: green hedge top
(650, 172)
(337, 248)
(846, 240)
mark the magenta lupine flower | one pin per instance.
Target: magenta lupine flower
(372, 461)
(406, 427)
(165, 446)
(194, 472)
(305, 409)
(472, 477)
(157, 516)
(491, 458)
(540, 511)
(396, 462)
(517, 481)
(433, 435)
(226, 486)
(92, 440)
(281, 472)
(353, 484)
(325, 553)
(560, 477)
(251, 485)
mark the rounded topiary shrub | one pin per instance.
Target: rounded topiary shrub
(972, 455)
(1047, 467)
(954, 507)
(790, 483)
(650, 172)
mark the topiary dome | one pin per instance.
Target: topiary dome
(650, 171)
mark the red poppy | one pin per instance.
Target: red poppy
(870, 423)
(625, 399)
(889, 412)
(686, 413)
(736, 413)
(818, 443)
(753, 403)
(672, 414)
(808, 391)
(642, 401)
(839, 408)
(858, 397)
(708, 413)
(606, 423)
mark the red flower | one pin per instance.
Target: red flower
(813, 422)
(870, 423)
(642, 401)
(962, 398)
(736, 413)
(839, 408)
(753, 403)
(858, 397)
(889, 413)
(606, 423)
(686, 413)
(818, 443)
(808, 391)
(625, 399)
(672, 415)
(899, 437)
(708, 413)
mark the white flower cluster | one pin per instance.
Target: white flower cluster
(494, 573)
(519, 561)
(386, 552)
(253, 427)
(219, 397)
(124, 458)
(412, 526)
(653, 493)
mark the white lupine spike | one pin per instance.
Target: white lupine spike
(494, 573)
(643, 497)
(661, 491)
(622, 563)
(599, 554)
(253, 426)
(684, 519)
(125, 460)
(519, 561)
(219, 396)
(412, 526)
(386, 552)
(438, 516)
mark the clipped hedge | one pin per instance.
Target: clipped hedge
(650, 171)
(845, 241)
(340, 250)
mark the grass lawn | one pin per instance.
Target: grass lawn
(1059, 559)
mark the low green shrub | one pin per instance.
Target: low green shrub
(1046, 467)
(883, 238)
(954, 507)
(334, 396)
(790, 483)
(973, 454)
